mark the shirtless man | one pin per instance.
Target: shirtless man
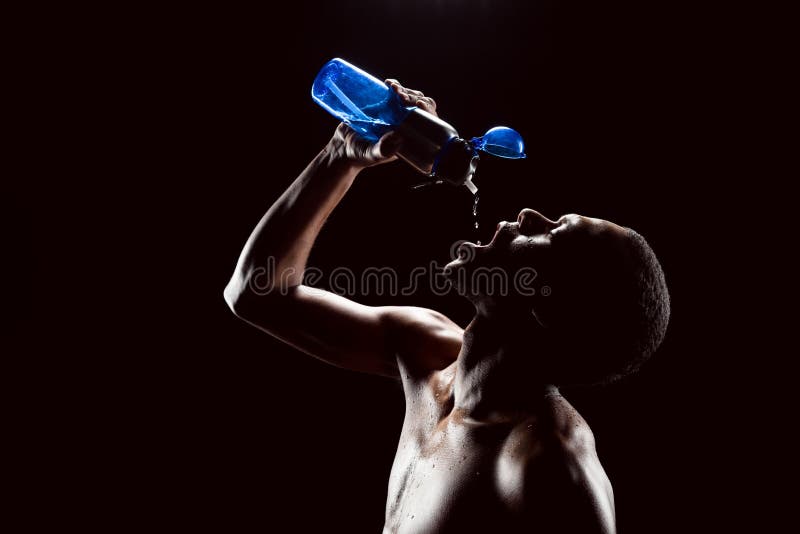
(488, 443)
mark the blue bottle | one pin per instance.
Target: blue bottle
(430, 145)
(358, 99)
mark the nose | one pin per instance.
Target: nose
(532, 222)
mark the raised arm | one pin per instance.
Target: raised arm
(266, 287)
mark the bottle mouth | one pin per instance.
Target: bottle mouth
(458, 159)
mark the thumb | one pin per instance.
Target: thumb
(389, 144)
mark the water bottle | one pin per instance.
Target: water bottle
(429, 144)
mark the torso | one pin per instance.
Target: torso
(455, 474)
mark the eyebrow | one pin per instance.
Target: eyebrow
(564, 223)
(565, 219)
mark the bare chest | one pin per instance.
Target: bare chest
(444, 479)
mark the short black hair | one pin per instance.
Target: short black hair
(613, 310)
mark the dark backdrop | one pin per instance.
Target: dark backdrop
(184, 125)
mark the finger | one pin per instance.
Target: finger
(342, 131)
(406, 97)
(419, 98)
(412, 96)
(426, 103)
(396, 86)
(407, 94)
(402, 93)
(346, 132)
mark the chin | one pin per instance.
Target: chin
(459, 274)
(459, 271)
(453, 266)
(452, 270)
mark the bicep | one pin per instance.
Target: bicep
(370, 339)
(327, 326)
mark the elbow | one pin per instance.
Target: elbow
(245, 303)
(234, 298)
(250, 303)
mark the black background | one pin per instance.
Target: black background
(173, 132)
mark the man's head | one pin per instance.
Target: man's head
(596, 288)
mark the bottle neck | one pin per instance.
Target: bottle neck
(423, 137)
(456, 163)
(434, 148)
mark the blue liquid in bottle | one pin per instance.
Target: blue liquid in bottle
(358, 99)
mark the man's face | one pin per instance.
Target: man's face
(532, 242)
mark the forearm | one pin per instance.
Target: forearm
(275, 255)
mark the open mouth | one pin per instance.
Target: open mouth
(467, 250)
(501, 228)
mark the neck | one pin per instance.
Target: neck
(497, 369)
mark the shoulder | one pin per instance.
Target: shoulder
(423, 340)
(414, 316)
(550, 471)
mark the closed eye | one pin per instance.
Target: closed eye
(561, 223)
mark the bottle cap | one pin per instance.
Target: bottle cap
(500, 141)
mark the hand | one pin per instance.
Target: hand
(360, 153)
(411, 97)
